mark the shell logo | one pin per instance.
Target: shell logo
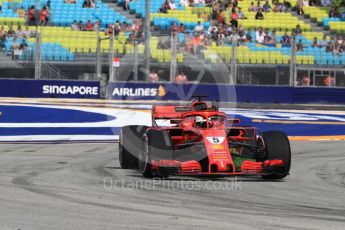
(161, 91)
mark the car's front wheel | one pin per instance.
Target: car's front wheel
(277, 146)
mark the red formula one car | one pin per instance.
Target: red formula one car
(200, 140)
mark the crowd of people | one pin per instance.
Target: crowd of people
(43, 16)
(89, 26)
(181, 78)
(18, 36)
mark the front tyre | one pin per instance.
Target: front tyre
(130, 145)
(277, 146)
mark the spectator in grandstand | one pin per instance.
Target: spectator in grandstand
(11, 32)
(234, 18)
(325, 2)
(197, 2)
(109, 30)
(116, 28)
(172, 5)
(240, 14)
(313, 3)
(258, 6)
(285, 6)
(44, 16)
(297, 30)
(315, 43)
(181, 79)
(87, 4)
(220, 17)
(306, 80)
(322, 43)
(3, 32)
(277, 6)
(153, 77)
(241, 38)
(174, 28)
(31, 15)
(270, 39)
(259, 15)
(266, 7)
(19, 32)
(88, 26)
(28, 33)
(299, 7)
(252, 7)
(165, 7)
(182, 28)
(188, 43)
(96, 26)
(337, 50)
(329, 47)
(260, 36)
(215, 10)
(184, 3)
(305, 2)
(81, 26)
(285, 40)
(299, 46)
(212, 29)
(75, 26)
(125, 5)
(23, 45)
(334, 12)
(249, 36)
(329, 81)
(131, 38)
(3, 35)
(199, 27)
(136, 26)
(15, 49)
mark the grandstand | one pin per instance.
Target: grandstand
(57, 42)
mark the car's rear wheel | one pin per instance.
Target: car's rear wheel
(157, 145)
(277, 146)
(130, 145)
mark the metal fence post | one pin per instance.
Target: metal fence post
(111, 58)
(98, 58)
(147, 30)
(233, 63)
(292, 63)
(173, 59)
(136, 62)
(38, 58)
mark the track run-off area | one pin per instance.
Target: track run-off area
(54, 174)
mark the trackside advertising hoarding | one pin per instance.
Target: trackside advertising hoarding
(226, 93)
(49, 88)
(220, 92)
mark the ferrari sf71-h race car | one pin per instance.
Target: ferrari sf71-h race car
(200, 140)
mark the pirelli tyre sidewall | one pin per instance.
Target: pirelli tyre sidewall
(277, 146)
(130, 145)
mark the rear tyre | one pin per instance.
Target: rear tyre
(157, 146)
(277, 146)
(130, 145)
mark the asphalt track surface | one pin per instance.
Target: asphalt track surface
(81, 186)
